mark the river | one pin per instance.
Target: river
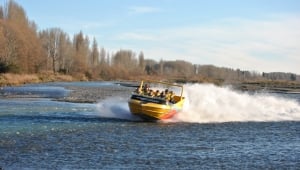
(219, 128)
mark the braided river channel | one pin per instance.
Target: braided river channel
(219, 128)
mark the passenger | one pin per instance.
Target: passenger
(146, 89)
(172, 94)
(167, 95)
(162, 95)
(157, 93)
(148, 92)
(151, 93)
(138, 90)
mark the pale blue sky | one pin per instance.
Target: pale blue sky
(259, 35)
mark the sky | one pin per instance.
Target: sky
(253, 35)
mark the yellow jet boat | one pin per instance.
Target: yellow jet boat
(156, 103)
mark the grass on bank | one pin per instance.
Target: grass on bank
(10, 79)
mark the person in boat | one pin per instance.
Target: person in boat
(151, 93)
(157, 93)
(162, 94)
(139, 90)
(146, 89)
(172, 94)
(167, 95)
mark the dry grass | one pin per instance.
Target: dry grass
(47, 76)
(61, 77)
(10, 79)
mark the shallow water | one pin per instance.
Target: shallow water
(38, 133)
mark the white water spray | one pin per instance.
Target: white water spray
(115, 107)
(208, 103)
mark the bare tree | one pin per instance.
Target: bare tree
(52, 40)
(103, 59)
(126, 59)
(23, 46)
(81, 45)
(94, 54)
(66, 53)
(142, 62)
(1, 12)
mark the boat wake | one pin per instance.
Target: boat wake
(206, 103)
(115, 107)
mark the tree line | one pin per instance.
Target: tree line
(24, 49)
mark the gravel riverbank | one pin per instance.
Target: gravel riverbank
(68, 92)
(94, 94)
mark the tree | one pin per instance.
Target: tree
(149, 68)
(161, 67)
(22, 46)
(103, 59)
(81, 46)
(8, 43)
(52, 42)
(125, 59)
(94, 54)
(293, 77)
(1, 12)
(142, 62)
(66, 53)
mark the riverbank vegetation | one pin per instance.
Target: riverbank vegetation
(11, 79)
(31, 55)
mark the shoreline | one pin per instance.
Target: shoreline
(73, 93)
(269, 86)
(86, 94)
(93, 94)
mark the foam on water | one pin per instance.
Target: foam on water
(209, 103)
(115, 107)
(206, 103)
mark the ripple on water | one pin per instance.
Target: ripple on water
(44, 134)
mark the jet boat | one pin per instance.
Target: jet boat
(159, 102)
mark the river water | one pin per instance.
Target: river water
(219, 128)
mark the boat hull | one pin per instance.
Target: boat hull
(153, 110)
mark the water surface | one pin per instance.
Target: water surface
(38, 133)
